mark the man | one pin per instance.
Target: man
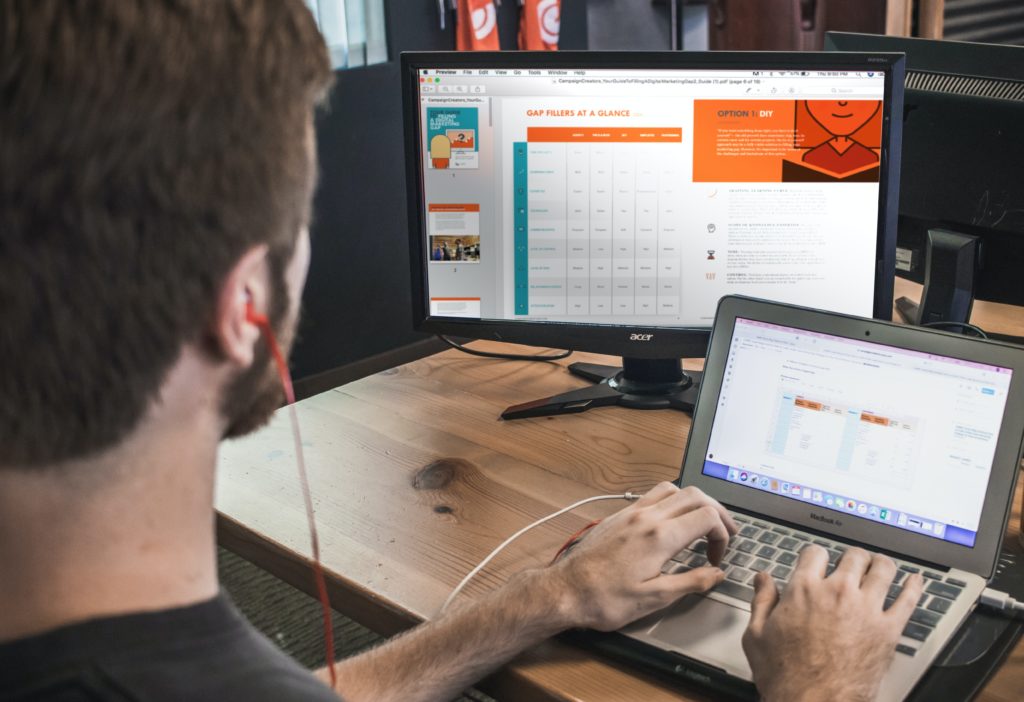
(156, 172)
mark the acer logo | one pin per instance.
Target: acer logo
(826, 520)
(641, 337)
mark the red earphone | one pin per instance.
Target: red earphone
(261, 321)
(251, 314)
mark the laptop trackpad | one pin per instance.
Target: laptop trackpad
(707, 630)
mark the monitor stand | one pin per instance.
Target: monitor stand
(641, 383)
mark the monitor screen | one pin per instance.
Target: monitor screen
(639, 196)
(970, 186)
(892, 435)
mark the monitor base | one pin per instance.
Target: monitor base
(639, 384)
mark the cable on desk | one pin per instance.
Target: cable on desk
(469, 576)
(975, 331)
(504, 356)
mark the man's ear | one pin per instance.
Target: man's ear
(247, 284)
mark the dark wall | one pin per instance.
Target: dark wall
(633, 25)
(357, 303)
(357, 299)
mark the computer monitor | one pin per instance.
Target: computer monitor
(604, 202)
(961, 210)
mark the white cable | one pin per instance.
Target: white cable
(506, 542)
(995, 599)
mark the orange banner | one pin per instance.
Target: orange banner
(775, 141)
(476, 26)
(539, 25)
(604, 134)
(453, 208)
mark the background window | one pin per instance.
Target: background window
(353, 29)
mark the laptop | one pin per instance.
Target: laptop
(816, 427)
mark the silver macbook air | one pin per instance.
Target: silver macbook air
(815, 427)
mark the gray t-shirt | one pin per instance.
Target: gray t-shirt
(201, 653)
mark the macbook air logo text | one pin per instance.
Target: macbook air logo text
(641, 337)
(826, 520)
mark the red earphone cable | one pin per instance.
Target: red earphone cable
(573, 540)
(263, 323)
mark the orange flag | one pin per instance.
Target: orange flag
(476, 26)
(539, 21)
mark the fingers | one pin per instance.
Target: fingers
(852, 565)
(766, 596)
(670, 588)
(716, 549)
(690, 514)
(705, 521)
(904, 605)
(812, 564)
(689, 499)
(881, 571)
(673, 535)
(656, 494)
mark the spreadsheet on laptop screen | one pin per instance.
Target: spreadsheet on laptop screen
(892, 435)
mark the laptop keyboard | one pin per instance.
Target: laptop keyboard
(761, 546)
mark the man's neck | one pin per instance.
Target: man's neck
(129, 531)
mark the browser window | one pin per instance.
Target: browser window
(643, 196)
(895, 436)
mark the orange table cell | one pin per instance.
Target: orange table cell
(596, 135)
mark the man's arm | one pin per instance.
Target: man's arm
(612, 578)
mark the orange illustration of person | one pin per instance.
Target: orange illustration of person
(440, 151)
(841, 118)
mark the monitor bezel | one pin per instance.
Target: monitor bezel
(624, 339)
(982, 557)
(942, 56)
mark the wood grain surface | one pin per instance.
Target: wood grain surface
(415, 480)
(990, 316)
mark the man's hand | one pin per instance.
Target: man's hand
(614, 576)
(610, 579)
(827, 637)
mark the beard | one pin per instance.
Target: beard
(251, 398)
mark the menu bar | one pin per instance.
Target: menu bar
(630, 73)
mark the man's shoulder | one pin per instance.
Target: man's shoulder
(204, 652)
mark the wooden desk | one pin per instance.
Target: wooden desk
(990, 316)
(415, 480)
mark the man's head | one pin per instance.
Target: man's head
(155, 158)
(843, 117)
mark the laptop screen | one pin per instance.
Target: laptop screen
(895, 436)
